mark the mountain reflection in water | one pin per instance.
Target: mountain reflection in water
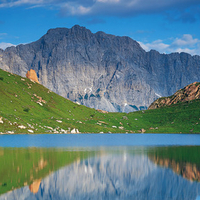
(109, 174)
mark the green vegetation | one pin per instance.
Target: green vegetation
(179, 154)
(28, 107)
(198, 83)
(20, 167)
(183, 160)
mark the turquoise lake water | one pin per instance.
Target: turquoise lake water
(66, 140)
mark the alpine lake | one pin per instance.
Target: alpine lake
(100, 166)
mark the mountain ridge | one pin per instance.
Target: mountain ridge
(100, 70)
(188, 93)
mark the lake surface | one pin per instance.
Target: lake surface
(85, 140)
(100, 166)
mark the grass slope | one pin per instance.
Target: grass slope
(19, 106)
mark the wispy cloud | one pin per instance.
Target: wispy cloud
(74, 9)
(128, 7)
(12, 3)
(3, 35)
(4, 45)
(110, 7)
(186, 44)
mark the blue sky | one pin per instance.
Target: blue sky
(164, 25)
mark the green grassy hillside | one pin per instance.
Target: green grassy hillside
(28, 107)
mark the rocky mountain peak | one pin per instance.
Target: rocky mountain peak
(75, 32)
(100, 70)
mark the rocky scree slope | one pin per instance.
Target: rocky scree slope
(188, 93)
(101, 71)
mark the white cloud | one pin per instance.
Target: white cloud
(4, 45)
(157, 44)
(19, 3)
(109, 1)
(108, 7)
(186, 40)
(3, 34)
(74, 9)
(186, 44)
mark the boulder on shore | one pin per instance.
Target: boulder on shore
(32, 75)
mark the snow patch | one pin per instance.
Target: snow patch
(88, 90)
(158, 95)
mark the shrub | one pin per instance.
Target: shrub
(1, 78)
(26, 109)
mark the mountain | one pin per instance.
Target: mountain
(111, 177)
(29, 107)
(42, 161)
(188, 93)
(101, 71)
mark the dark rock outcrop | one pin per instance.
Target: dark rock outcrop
(102, 71)
(188, 93)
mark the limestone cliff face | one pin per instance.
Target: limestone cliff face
(32, 75)
(188, 93)
(101, 71)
